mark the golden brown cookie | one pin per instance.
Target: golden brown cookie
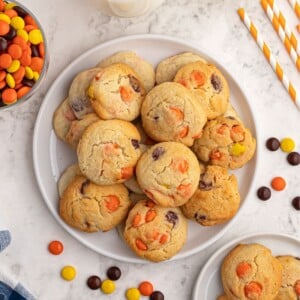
(168, 173)
(170, 112)
(225, 142)
(90, 207)
(208, 84)
(116, 92)
(154, 232)
(249, 271)
(290, 287)
(217, 198)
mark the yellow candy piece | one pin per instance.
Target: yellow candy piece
(23, 34)
(35, 36)
(237, 149)
(5, 18)
(108, 286)
(90, 92)
(133, 294)
(9, 5)
(17, 23)
(10, 80)
(28, 73)
(68, 273)
(36, 76)
(287, 145)
(15, 66)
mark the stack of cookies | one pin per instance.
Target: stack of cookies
(166, 137)
(250, 271)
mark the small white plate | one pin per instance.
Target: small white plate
(209, 286)
(51, 156)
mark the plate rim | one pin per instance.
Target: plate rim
(232, 243)
(108, 43)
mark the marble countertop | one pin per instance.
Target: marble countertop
(74, 26)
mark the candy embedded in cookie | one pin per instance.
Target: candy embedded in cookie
(168, 173)
(170, 112)
(154, 232)
(116, 92)
(108, 151)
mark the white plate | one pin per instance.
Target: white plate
(51, 156)
(208, 285)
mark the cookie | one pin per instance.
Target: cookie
(217, 198)
(62, 119)
(116, 92)
(290, 287)
(108, 151)
(225, 142)
(154, 232)
(78, 92)
(249, 271)
(90, 207)
(208, 84)
(67, 177)
(170, 112)
(77, 128)
(143, 69)
(168, 173)
(167, 68)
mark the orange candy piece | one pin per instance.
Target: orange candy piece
(177, 113)
(185, 189)
(15, 51)
(56, 247)
(184, 132)
(11, 13)
(141, 245)
(22, 91)
(199, 77)
(215, 155)
(126, 94)
(163, 239)
(19, 74)
(136, 220)
(278, 183)
(297, 287)
(253, 289)
(112, 203)
(180, 165)
(37, 64)
(9, 96)
(4, 28)
(150, 215)
(2, 75)
(5, 60)
(29, 20)
(18, 40)
(243, 269)
(126, 172)
(146, 288)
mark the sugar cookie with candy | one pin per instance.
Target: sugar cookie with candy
(290, 286)
(225, 142)
(108, 151)
(154, 232)
(208, 84)
(170, 112)
(168, 173)
(167, 68)
(217, 198)
(90, 207)
(143, 69)
(116, 92)
(249, 271)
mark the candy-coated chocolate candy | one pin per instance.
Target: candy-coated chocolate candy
(146, 288)
(133, 294)
(11, 33)
(56, 247)
(287, 144)
(20, 11)
(94, 282)
(273, 144)
(3, 44)
(296, 203)
(157, 295)
(278, 183)
(35, 36)
(237, 149)
(108, 286)
(264, 193)
(17, 23)
(68, 273)
(293, 158)
(113, 273)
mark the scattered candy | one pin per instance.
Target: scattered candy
(157, 295)
(293, 158)
(108, 286)
(146, 288)
(55, 247)
(132, 294)
(278, 183)
(264, 193)
(94, 282)
(113, 273)
(68, 273)
(296, 203)
(273, 144)
(287, 145)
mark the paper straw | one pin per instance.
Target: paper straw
(296, 6)
(270, 57)
(287, 44)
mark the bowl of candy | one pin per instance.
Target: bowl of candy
(24, 57)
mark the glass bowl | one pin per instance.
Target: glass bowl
(42, 74)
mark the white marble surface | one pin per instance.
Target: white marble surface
(74, 26)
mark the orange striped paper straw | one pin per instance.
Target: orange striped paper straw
(284, 38)
(270, 57)
(284, 25)
(296, 6)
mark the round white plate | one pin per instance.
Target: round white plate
(51, 156)
(208, 285)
